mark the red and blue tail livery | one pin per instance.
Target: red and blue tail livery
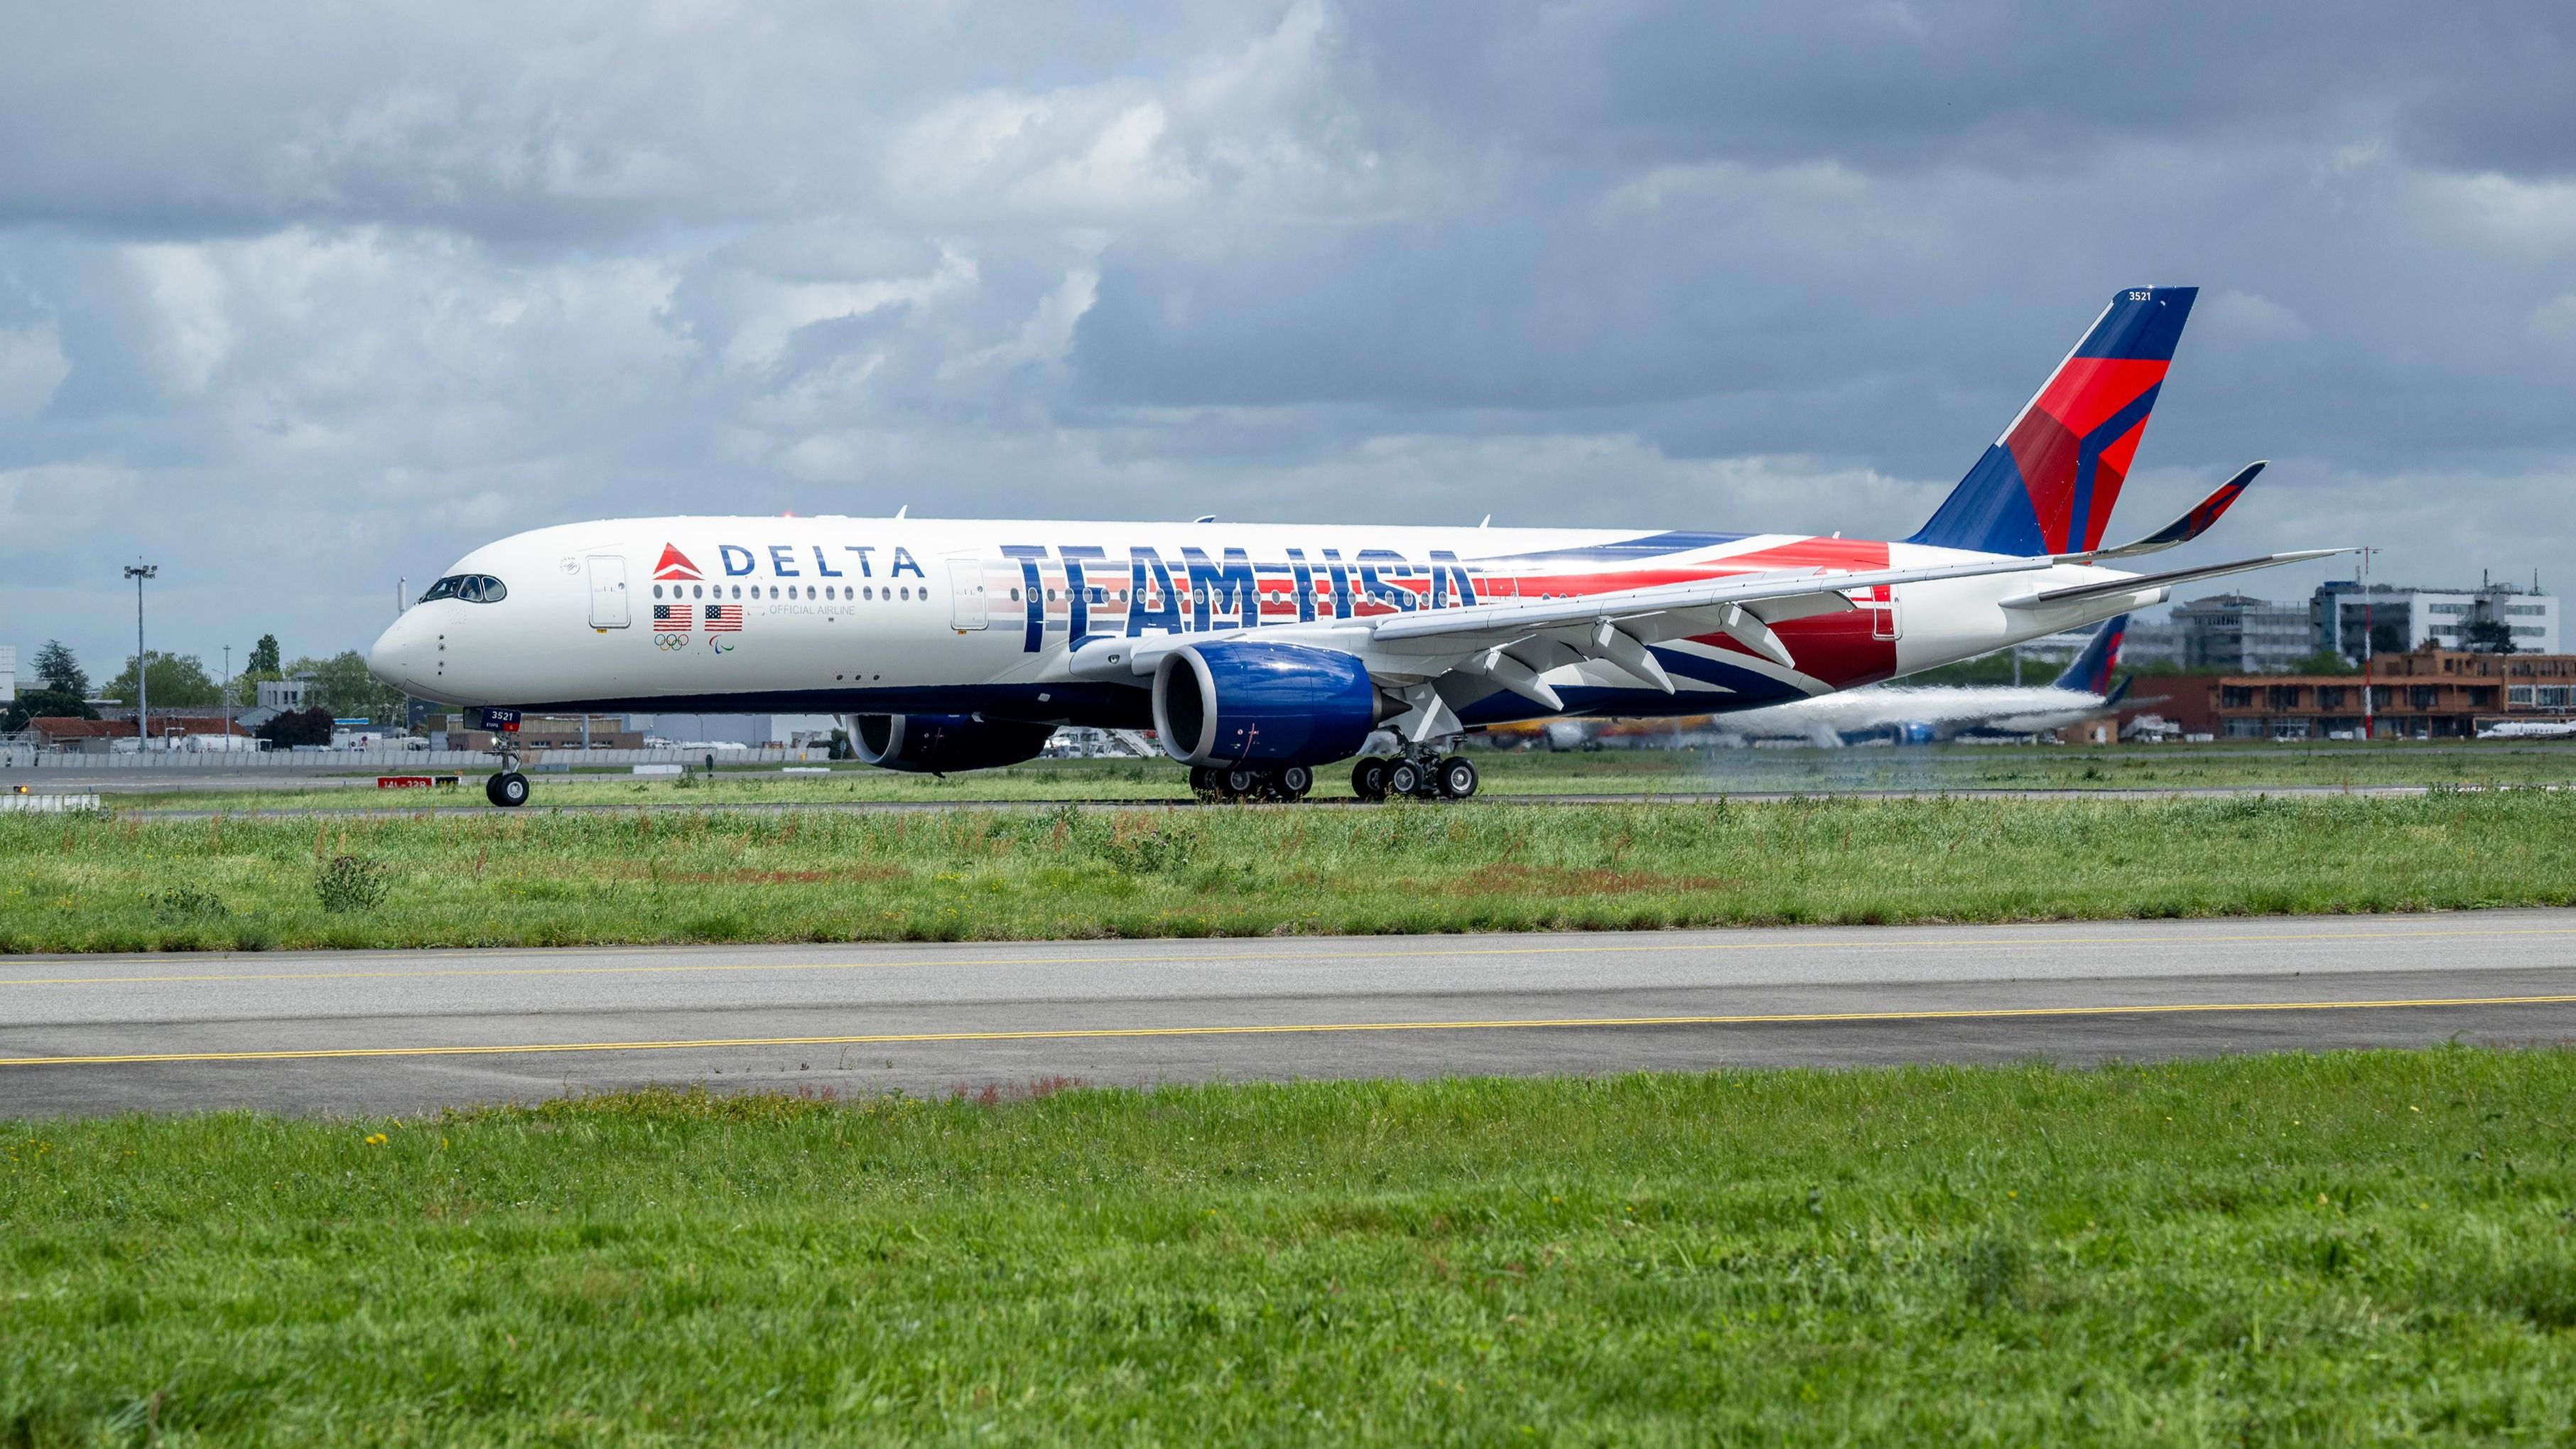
(2047, 485)
(2090, 671)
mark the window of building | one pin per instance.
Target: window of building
(2235, 696)
(2282, 696)
(2551, 696)
(2329, 696)
(2424, 696)
(2517, 694)
(2245, 729)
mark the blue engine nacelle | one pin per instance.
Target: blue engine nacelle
(937, 743)
(1918, 732)
(1240, 701)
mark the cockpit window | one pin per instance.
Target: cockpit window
(472, 588)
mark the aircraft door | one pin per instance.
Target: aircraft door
(966, 596)
(607, 591)
(1883, 620)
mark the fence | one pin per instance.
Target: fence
(392, 761)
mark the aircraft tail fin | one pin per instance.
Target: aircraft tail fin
(2090, 672)
(2047, 485)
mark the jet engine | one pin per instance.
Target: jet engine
(1240, 701)
(938, 743)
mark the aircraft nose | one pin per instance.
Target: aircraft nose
(396, 657)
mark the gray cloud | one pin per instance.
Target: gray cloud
(298, 302)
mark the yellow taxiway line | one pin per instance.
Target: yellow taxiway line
(1276, 1029)
(1382, 952)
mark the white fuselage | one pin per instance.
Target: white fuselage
(870, 615)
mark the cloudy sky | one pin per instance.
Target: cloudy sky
(295, 300)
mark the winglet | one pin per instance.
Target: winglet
(2196, 521)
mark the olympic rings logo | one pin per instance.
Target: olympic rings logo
(670, 643)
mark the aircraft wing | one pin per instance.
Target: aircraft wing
(2140, 583)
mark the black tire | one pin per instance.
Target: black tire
(492, 788)
(1403, 777)
(1368, 778)
(509, 790)
(1203, 783)
(1294, 781)
(1244, 782)
(1457, 777)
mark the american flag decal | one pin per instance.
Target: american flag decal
(724, 618)
(671, 617)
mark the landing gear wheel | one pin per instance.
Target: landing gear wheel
(1403, 777)
(1368, 778)
(1203, 783)
(509, 789)
(1242, 782)
(1293, 783)
(1457, 778)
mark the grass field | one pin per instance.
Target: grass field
(2321, 1250)
(91, 883)
(1536, 772)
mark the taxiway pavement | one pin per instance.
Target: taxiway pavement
(404, 1031)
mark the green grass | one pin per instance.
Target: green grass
(1536, 772)
(2342, 1249)
(93, 884)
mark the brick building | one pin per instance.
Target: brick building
(2430, 694)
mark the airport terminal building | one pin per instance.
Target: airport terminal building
(2428, 694)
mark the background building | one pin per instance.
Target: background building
(8, 673)
(2429, 694)
(2241, 634)
(2405, 618)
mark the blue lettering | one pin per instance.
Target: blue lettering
(1032, 597)
(735, 567)
(1341, 577)
(1445, 572)
(1234, 583)
(821, 568)
(903, 560)
(1074, 556)
(778, 563)
(1374, 587)
(1305, 585)
(1166, 612)
(862, 552)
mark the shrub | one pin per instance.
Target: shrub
(351, 883)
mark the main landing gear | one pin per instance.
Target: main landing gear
(1287, 784)
(1421, 774)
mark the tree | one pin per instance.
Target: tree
(2325, 661)
(263, 658)
(342, 685)
(297, 727)
(177, 680)
(44, 703)
(2489, 636)
(60, 671)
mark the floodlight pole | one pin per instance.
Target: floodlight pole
(2369, 715)
(142, 691)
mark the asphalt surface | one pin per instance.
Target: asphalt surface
(405, 1031)
(1637, 797)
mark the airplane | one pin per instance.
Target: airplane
(1258, 653)
(1914, 716)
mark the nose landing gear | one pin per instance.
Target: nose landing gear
(509, 788)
